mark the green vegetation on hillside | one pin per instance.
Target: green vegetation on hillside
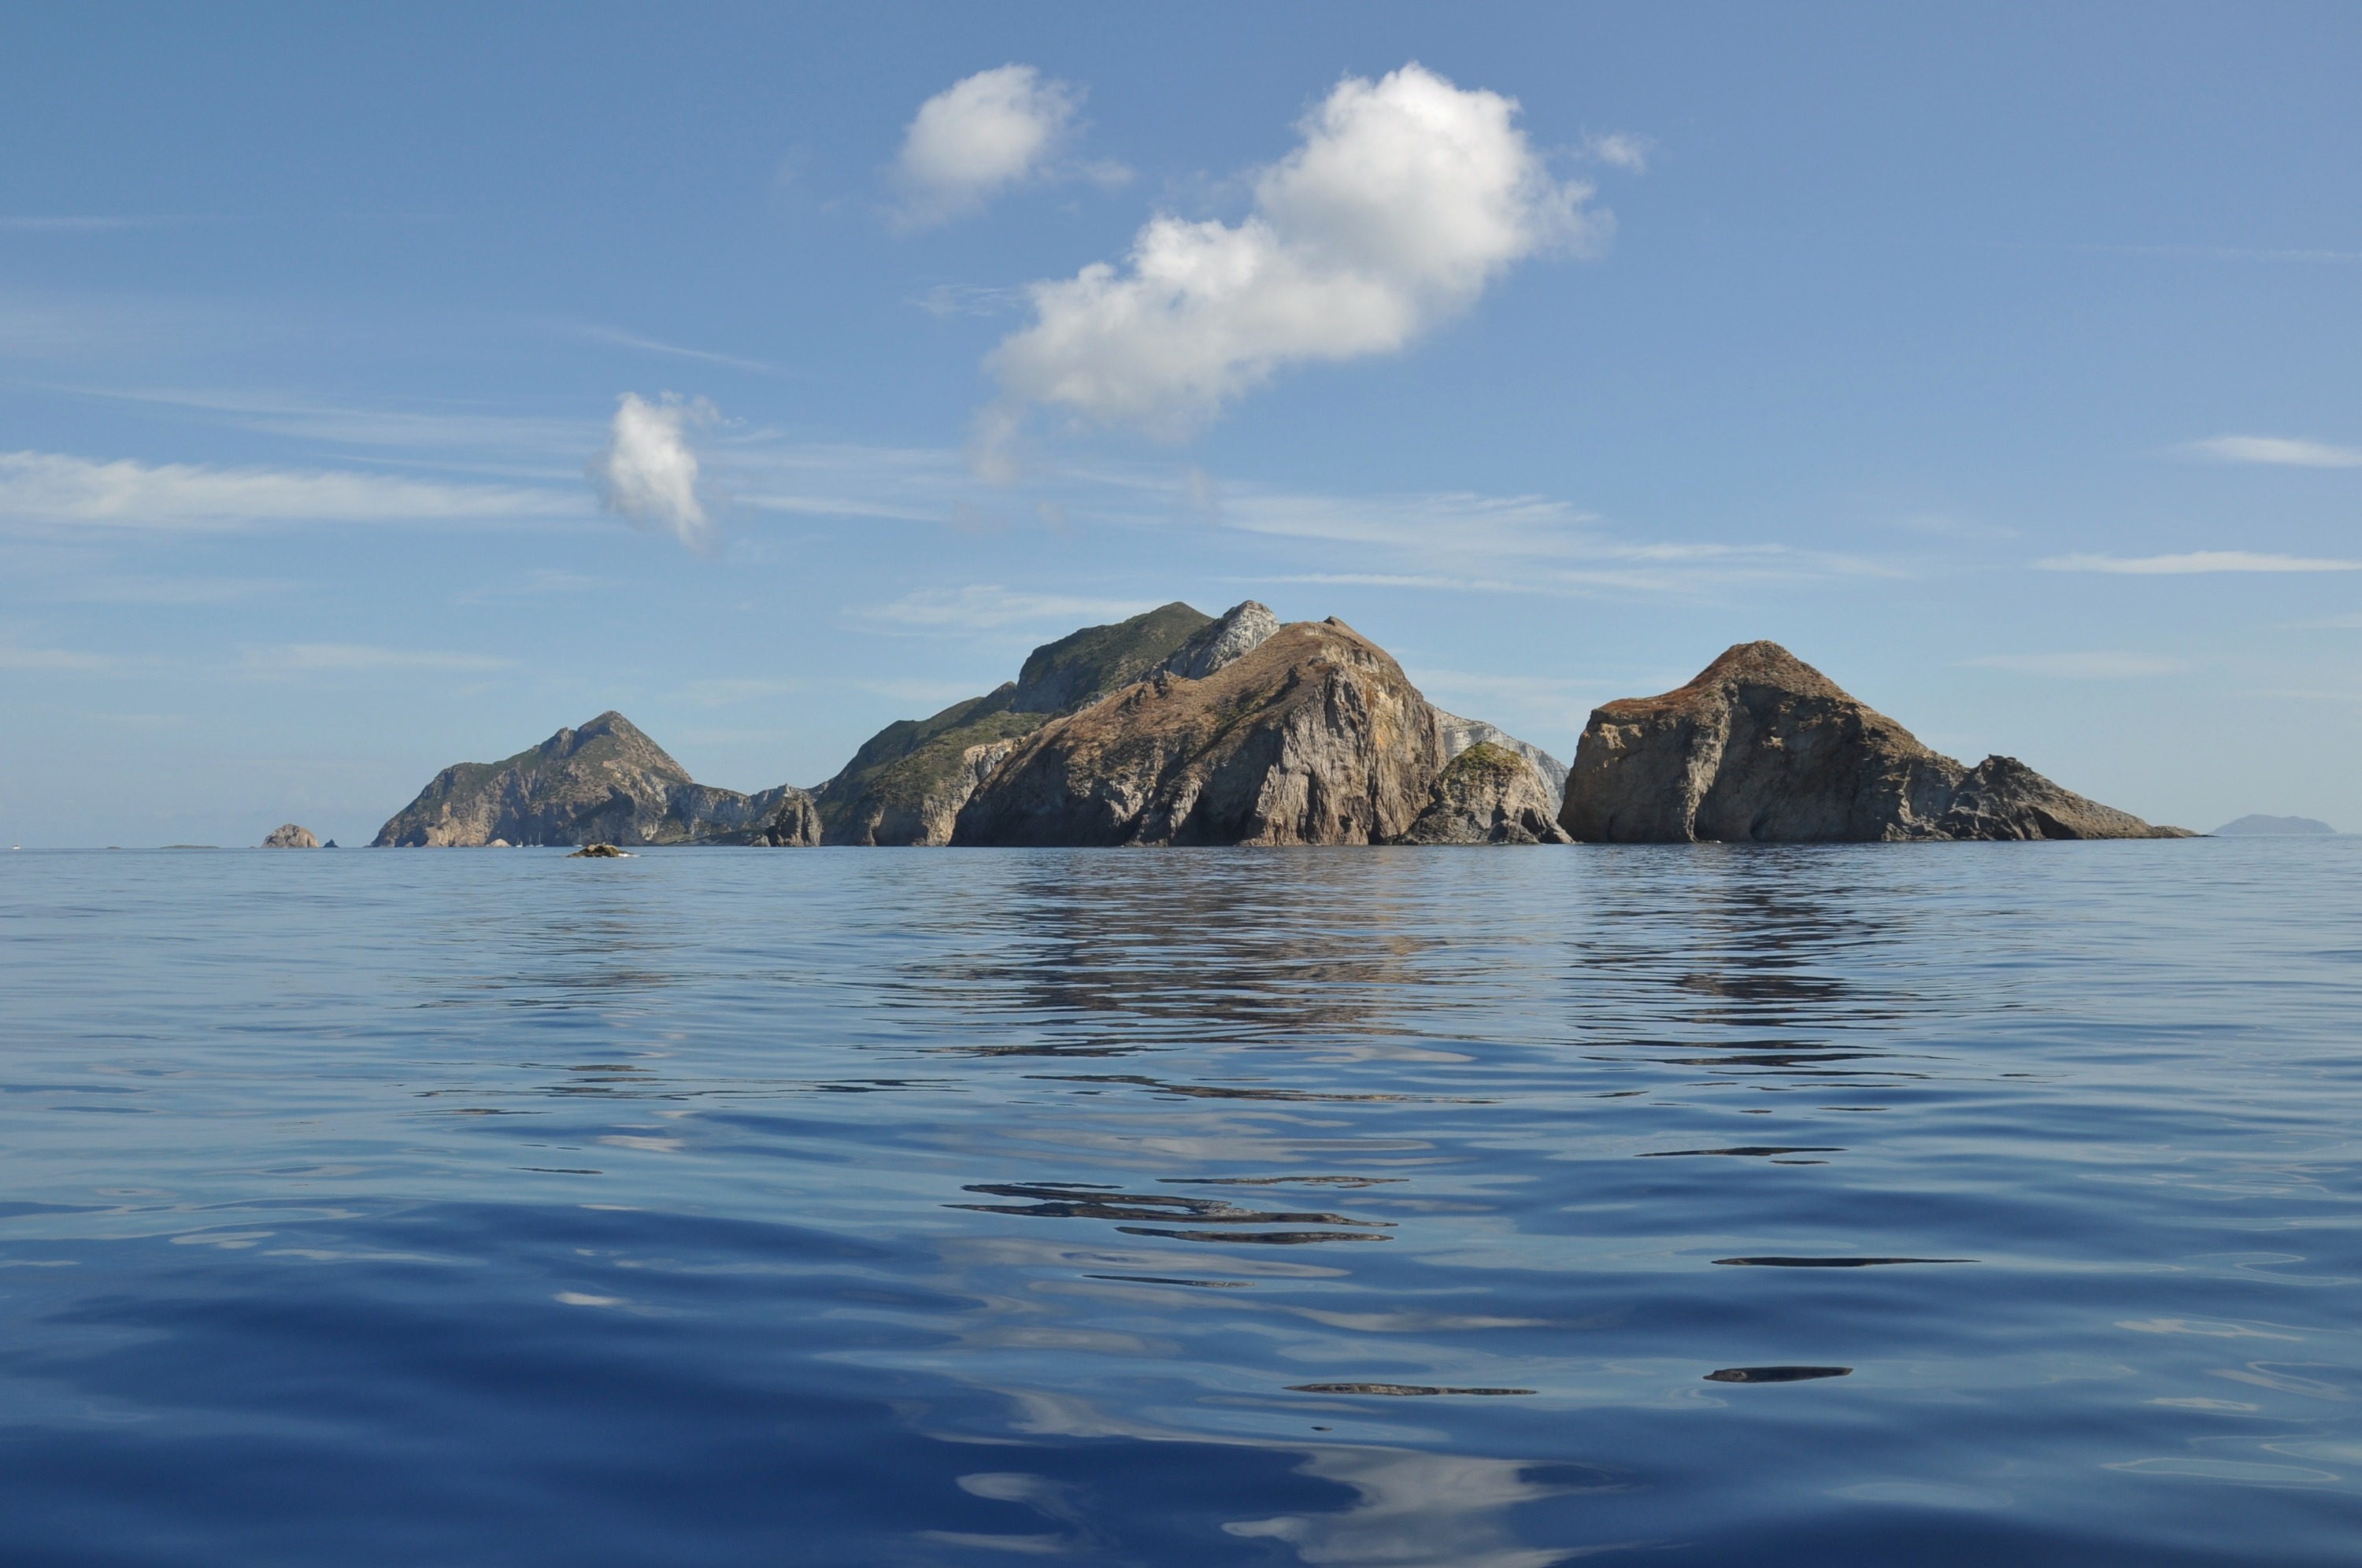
(911, 762)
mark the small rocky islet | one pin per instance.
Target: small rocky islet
(1175, 727)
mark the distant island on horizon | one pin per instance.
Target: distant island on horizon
(2256, 825)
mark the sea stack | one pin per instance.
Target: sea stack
(1312, 736)
(1763, 748)
(287, 836)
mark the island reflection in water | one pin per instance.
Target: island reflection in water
(1945, 1203)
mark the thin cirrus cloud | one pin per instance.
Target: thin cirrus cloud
(2278, 451)
(2195, 562)
(649, 470)
(2095, 666)
(48, 490)
(1405, 199)
(989, 606)
(984, 135)
(315, 659)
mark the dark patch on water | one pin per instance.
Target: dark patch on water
(1776, 1373)
(1833, 1263)
(1399, 1390)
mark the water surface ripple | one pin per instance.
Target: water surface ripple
(1929, 1204)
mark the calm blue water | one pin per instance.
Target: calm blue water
(956, 1207)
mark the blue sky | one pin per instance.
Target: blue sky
(2002, 363)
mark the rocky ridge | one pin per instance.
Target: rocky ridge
(1761, 747)
(603, 782)
(907, 783)
(1314, 736)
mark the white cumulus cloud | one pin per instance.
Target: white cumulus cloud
(978, 137)
(649, 470)
(1406, 198)
(2276, 449)
(2195, 562)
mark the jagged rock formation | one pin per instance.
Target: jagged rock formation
(287, 835)
(908, 782)
(1761, 747)
(604, 782)
(1459, 733)
(1242, 629)
(1489, 794)
(1316, 736)
(2257, 825)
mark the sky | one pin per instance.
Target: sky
(382, 389)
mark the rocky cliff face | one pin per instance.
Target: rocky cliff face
(1763, 748)
(908, 782)
(605, 782)
(1489, 794)
(1242, 629)
(287, 836)
(1315, 737)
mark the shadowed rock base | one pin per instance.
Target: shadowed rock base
(1763, 748)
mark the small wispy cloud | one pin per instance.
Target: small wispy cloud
(49, 489)
(945, 301)
(985, 607)
(649, 470)
(724, 694)
(1627, 150)
(623, 339)
(986, 134)
(303, 659)
(52, 659)
(2096, 665)
(2278, 451)
(272, 413)
(2195, 562)
(90, 223)
(174, 589)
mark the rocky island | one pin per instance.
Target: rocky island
(1762, 748)
(1175, 727)
(1170, 727)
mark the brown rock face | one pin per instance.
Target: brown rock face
(606, 782)
(1488, 794)
(907, 783)
(1763, 748)
(1312, 737)
(287, 836)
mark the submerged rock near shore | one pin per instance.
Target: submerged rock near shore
(605, 782)
(1761, 747)
(1314, 736)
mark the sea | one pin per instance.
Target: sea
(1913, 1204)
